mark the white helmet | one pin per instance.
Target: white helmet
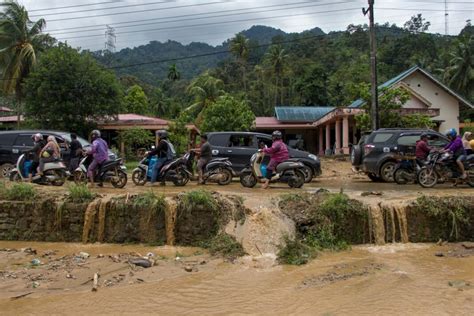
(36, 137)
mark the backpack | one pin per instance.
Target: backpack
(171, 152)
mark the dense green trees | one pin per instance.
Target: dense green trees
(227, 114)
(70, 91)
(136, 101)
(20, 41)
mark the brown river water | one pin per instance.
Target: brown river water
(395, 279)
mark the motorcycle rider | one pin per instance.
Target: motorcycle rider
(205, 155)
(100, 154)
(278, 153)
(39, 143)
(457, 149)
(466, 142)
(50, 152)
(75, 148)
(422, 149)
(162, 151)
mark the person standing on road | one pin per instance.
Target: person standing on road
(39, 143)
(278, 153)
(205, 155)
(76, 152)
(100, 154)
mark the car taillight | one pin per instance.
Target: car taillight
(368, 148)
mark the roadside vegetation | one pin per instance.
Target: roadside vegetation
(18, 192)
(79, 193)
(224, 245)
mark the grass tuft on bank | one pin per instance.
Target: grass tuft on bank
(79, 193)
(18, 192)
(224, 245)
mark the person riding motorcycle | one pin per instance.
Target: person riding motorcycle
(422, 149)
(457, 149)
(50, 152)
(466, 142)
(162, 151)
(278, 153)
(39, 143)
(100, 154)
(205, 155)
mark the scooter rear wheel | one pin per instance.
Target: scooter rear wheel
(226, 177)
(15, 176)
(402, 176)
(61, 178)
(139, 177)
(181, 178)
(120, 180)
(296, 180)
(248, 180)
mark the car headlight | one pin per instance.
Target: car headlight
(314, 157)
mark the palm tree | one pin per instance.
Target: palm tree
(276, 58)
(20, 40)
(205, 89)
(173, 73)
(460, 72)
(239, 47)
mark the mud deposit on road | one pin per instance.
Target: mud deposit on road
(390, 279)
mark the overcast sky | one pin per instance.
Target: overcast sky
(82, 22)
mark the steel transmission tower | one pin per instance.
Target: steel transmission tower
(110, 39)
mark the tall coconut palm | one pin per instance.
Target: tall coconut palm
(20, 40)
(240, 48)
(276, 58)
(460, 72)
(173, 73)
(205, 89)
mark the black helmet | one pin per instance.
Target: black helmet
(277, 135)
(162, 134)
(95, 134)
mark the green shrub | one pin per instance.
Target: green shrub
(152, 203)
(225, 245)
(296, 252)
(80, 193)
(200, 198)
(20, 192)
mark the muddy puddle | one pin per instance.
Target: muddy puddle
(416, 279)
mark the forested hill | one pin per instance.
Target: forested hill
(189, 68)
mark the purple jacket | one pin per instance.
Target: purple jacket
(455, 145)
(99, 150)
(278, 152)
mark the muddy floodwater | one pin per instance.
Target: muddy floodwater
(395, 279)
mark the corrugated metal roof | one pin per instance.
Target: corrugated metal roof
(301, 113)
(358, 103)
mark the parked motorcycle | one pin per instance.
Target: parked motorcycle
(54, 173)
(218, 170)
(406, 170)
(174, 171)
(112, 171)
(290, 172)
(442, 167)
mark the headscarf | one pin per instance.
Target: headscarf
(465, 140)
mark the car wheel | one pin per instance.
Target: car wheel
(308, 173)
(5, 170)
(374, 177)
(386, 172)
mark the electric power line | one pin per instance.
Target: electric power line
(73, 6)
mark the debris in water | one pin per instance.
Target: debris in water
(35, 285)
(95, 284)
(439, 254)
(29, 251)
(100, 256)
(83, 255)
(188, 269)
(141, 262)
(35, 262)
(70, 276)
(459, 284)
(468, 245)
(367, 193)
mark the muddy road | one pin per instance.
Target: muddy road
(393, 279)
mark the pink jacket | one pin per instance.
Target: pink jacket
(278, 152)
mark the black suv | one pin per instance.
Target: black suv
(240, 146)
(375, 154)
(14, 143)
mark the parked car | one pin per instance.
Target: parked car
(376, 154)
(240, 146)
(14, 143)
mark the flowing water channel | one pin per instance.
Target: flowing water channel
(392, 279)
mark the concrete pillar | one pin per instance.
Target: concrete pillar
(328, 136)
(320, 142)
(345, 135)
(338, 136)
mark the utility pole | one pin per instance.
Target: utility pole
(446, 29)
(373, 67)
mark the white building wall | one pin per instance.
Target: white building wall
(439, 98)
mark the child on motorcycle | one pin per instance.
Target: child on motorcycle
(278, 153)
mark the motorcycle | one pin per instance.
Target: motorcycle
(406, 170)
(54, 173)
(290, 172)
(218, 170)
(442, 167)
(174, 171)
(112, 171)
